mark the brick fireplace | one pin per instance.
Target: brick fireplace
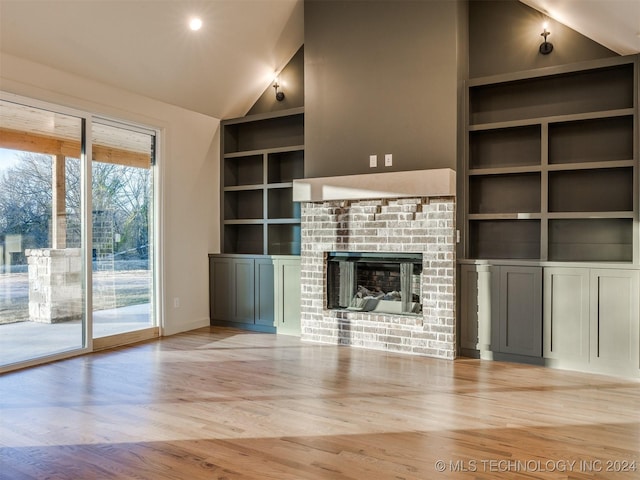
(401, 212)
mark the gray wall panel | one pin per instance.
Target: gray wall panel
(380, 77)
(504, 37)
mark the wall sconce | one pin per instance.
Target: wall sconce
(279, 95)
(545, 47)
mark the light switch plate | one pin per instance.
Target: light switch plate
(388, 159)
(373, 161)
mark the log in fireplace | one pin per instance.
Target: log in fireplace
(374, 282)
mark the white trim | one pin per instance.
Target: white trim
(86, 227)
(158, 233)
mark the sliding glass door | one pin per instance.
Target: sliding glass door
(122, 220)
(41, 261)
(76, 232)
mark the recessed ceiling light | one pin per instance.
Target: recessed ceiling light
(195, 24)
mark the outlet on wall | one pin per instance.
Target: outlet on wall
(388, 159)
(176, 302)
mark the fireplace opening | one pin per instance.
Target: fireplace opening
(374, 282)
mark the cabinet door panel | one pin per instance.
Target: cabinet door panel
(290, 321)
(469, 307)
(220, 280)
(488, 306)
(520, 310)
(566, 314)
(242, 292)
(614, 319)
(264, 292)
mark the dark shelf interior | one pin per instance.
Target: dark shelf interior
(243, 205)
(262, 155)
(501, 239)
(505, 147)
(598, 190)
(594, 240)
(263, 134)
(283, 239)
(601, 89)
(280, 204)
(511, 193)
(595, 140)
(243, 171)
(247, 239)
(285, 166)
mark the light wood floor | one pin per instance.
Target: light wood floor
(224, 404)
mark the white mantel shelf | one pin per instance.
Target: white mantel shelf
(439, 182)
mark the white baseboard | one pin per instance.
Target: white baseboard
(184, 327)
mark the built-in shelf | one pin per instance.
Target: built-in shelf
(581, 91)
(591, 240)
(285, 166)
(280, 204)
(283, 239)
(596, 140)
(596, 190)
(552, 167)
(512, 193)
(262, 155)
(260, 132)
(505, 147)
(244, 238)
(243, 170)
(519, 239)
(243, 204)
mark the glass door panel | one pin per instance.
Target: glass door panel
(122, 224)
(41, 261)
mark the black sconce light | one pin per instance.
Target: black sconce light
(545, 47)
(279, 95)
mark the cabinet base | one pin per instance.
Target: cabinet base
(511, 357)
(469, 353)
(244, 326)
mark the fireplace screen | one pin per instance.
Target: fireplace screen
(374, 282)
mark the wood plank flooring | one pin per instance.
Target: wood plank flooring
(230, 405)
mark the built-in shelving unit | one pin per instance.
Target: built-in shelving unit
(262, 155)
(552, 167)
(255, 280)
(551, 260)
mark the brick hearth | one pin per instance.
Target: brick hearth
(410, 225)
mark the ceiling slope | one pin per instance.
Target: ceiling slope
(146, 47)
(614, 24)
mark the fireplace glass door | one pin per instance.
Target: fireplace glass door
(374, 282)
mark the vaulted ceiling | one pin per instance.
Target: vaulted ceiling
(614, 24)
(146, 46)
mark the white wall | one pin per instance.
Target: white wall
(189, 169)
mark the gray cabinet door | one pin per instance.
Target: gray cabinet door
(288, 296)
(566, 314)
(469, 307)
(615, 320)
(242, 290)
(521, 310)
(264, 292)
(219, 285)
